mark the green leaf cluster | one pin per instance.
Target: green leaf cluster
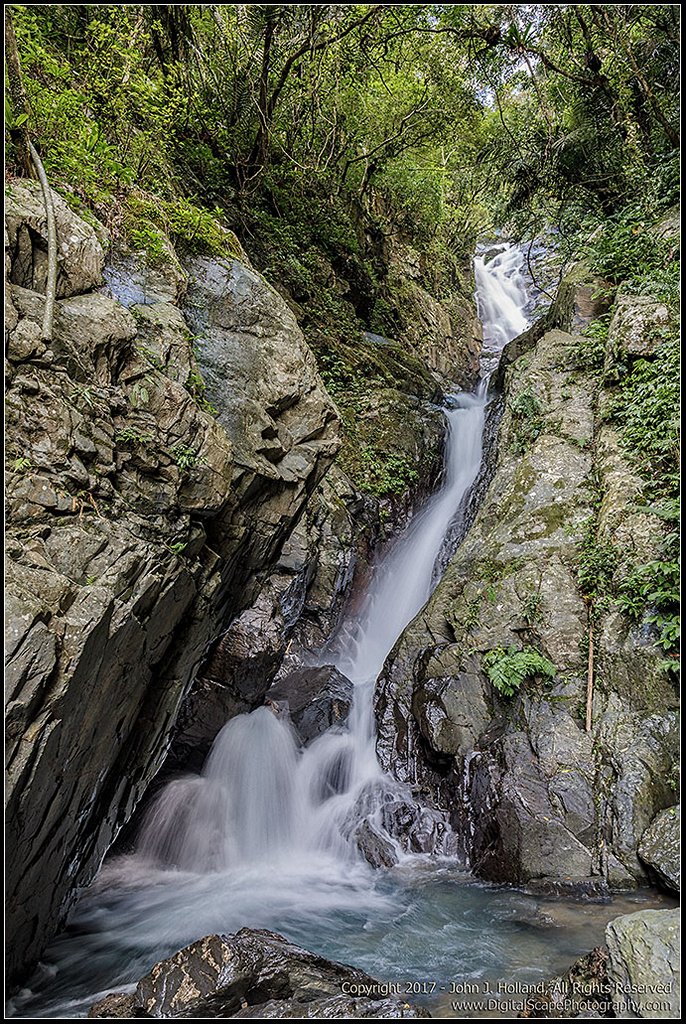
(626, 251)
(185, 457)
(657, 584)
(596, 564)
(508, 669)
(527, 420)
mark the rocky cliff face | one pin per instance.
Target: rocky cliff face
(444, 332)
(536, 798)
(140, 512)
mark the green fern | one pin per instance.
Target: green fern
(507, 669)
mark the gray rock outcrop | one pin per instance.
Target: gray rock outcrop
(636, 330)
(660, 848)
(644, 968)
(536, 798)
(80, 254)
(139, 516)
(314, 698)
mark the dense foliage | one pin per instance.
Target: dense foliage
(318, 133)
(427, 117)
(643, 405)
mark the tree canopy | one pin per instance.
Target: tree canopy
(440, 110)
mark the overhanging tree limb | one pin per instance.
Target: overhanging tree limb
(625, 44)
(267, 102)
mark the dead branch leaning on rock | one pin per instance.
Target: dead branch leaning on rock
(51, 283)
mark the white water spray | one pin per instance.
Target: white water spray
(501, 297)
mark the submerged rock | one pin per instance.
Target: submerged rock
(635, 975)
(582, 991)
(256, 974)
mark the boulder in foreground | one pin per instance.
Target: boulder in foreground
(255, 973)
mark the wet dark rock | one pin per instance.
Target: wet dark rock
(594, 890)
(315, 698)
(345, 1007)
(637, 754)
(231, 681)
(116, 1005)
(582, 991)
(526, 836)
(660, 848)
(317, 568)
(388, 819)
(256, 973)
(418, 829)
(249, 651)
(377, 849)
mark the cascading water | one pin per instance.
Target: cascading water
(502, 298)
(260, 800)
(265, 837)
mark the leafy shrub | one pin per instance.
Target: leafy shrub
(589, 354)
(596, 562)
(190, 229)
(387, 473)
(526, 420)
(627, 251)
(656, 585)
(131, 436)
(507, 669)
(185, 457)
(647, 408)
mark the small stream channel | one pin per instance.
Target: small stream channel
(264, 837)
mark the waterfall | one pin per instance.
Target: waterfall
(405, 577)
(502, 300)
(267, 836)
(501, 296)
(259, 799)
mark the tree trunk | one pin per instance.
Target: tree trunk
(20, 106)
